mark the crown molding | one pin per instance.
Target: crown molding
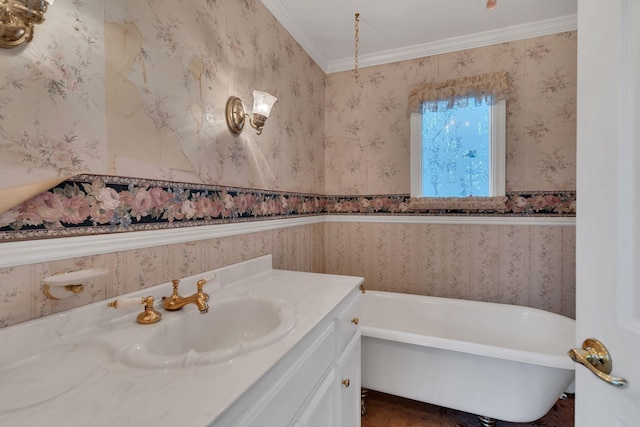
(487, 38)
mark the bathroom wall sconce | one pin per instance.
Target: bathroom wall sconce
(236, 115)
(17, 18)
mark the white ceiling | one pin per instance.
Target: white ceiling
(394, 30)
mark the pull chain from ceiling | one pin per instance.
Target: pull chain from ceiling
(356, 74)
(490, 5)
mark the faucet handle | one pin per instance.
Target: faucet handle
(148, 316)
(206, 279)
(176, 283)
(171, 301)
(126, 302)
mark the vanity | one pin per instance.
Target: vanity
(276, 348)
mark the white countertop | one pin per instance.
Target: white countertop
(96, 388)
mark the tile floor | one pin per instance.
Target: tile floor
(384, 410)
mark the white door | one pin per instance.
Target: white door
(608, 219)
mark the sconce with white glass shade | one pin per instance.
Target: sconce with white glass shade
(17, 18)
(236, 114)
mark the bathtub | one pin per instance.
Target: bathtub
(497, 361)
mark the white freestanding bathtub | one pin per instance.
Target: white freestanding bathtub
(497, 361)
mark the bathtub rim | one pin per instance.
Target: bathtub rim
(552, 360)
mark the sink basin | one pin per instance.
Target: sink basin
(230, 328)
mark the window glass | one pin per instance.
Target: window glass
(456, 151)
(459, 151)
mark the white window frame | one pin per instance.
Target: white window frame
(497, 155)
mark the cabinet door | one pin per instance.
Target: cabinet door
(348, 369)
(319, 410)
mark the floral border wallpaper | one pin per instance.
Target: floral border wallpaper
(91, 204)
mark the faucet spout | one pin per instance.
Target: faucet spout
(202, 302)
(177, 302)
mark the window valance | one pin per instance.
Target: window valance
(491, 87)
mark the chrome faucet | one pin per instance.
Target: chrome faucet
(176, 302)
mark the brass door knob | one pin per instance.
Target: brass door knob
(346, 382)
(355, 320)
(595, 357)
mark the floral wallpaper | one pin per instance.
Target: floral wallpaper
(528, 265)
(171, 68)
(368, 152)
(367, 123)
(52, 118)
(139, 89)
(124, 103)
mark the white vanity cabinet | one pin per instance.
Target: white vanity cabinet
(317, 384)
(336, 401)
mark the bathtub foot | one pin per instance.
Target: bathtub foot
(363, 404)
(487, 422)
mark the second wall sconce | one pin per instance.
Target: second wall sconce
(236, 114)
(17, 18)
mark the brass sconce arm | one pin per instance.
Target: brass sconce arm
(17, 18)
(257, 122)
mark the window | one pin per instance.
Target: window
(458, 151)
